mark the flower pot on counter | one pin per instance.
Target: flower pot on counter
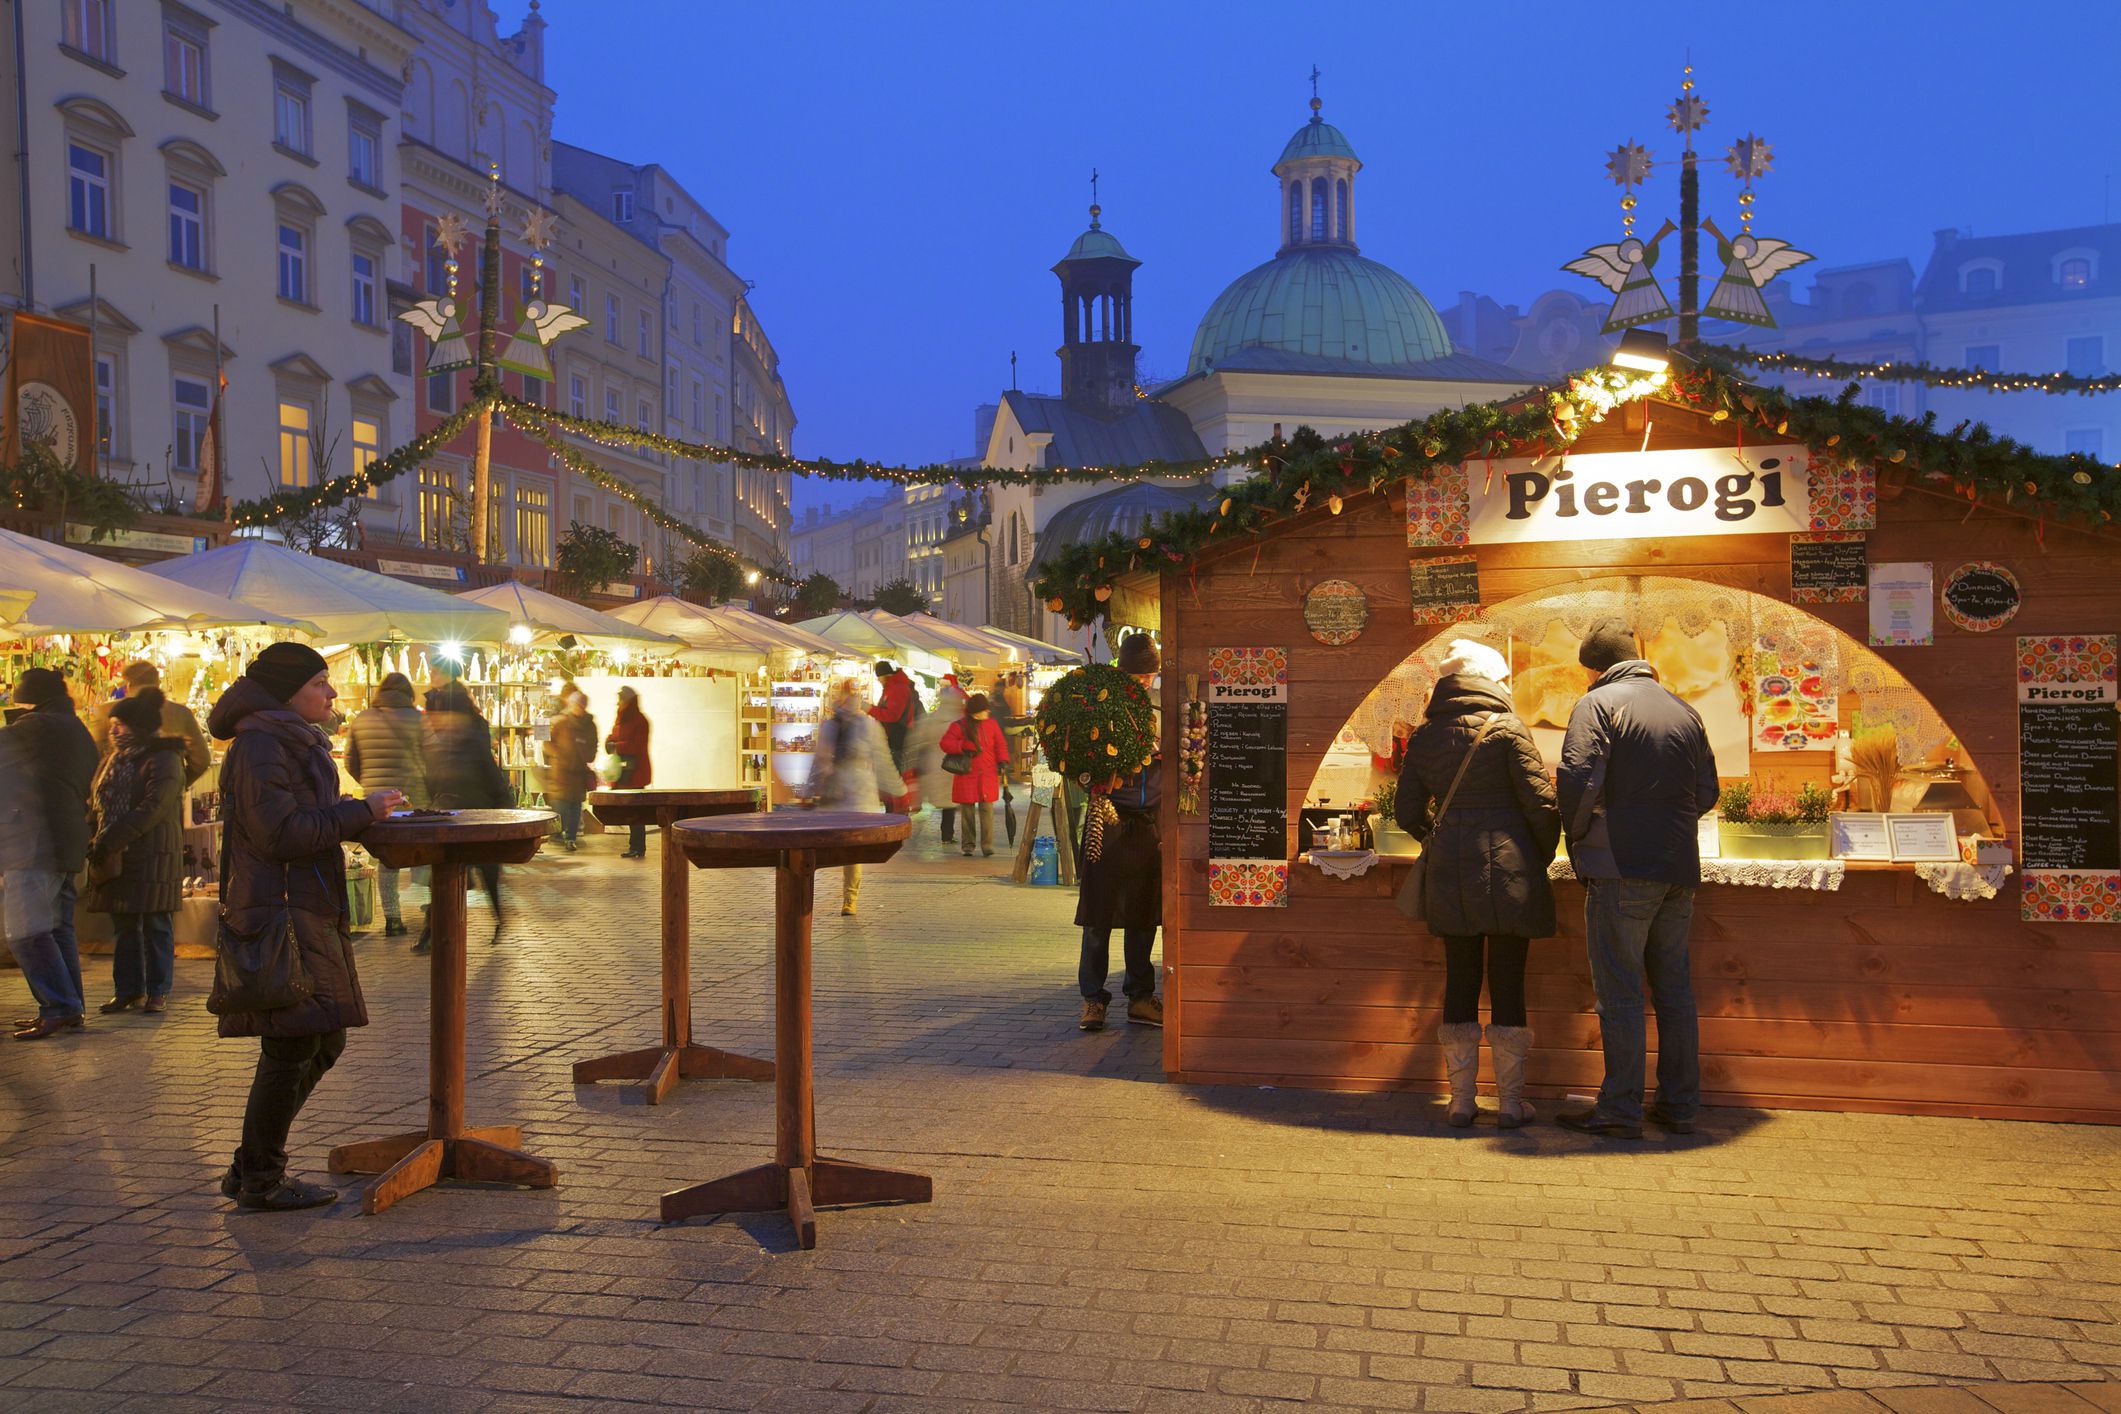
(1394, 842)
(1752, 840)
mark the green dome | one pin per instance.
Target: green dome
(1317, 138)
(1321, 303)
(1098, 244)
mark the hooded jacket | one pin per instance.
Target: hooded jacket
(50, 750)
(1636, 777)
(1488, 856)
(385, 746)
(284, 824)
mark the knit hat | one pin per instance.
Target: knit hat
(283, 669)
(976, 704)
(140, 672)
(1610, 641)
(1464, 655)
(39, 687)
(884, 668)
(1138, 656)
(141, 712)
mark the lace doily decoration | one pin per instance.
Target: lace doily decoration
(1964, 882)
(1822, 875)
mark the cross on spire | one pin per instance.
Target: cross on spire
(1095, 209)
(1315, 103)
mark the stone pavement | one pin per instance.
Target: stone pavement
(1099, 1240)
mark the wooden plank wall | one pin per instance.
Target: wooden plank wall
(1882, 996)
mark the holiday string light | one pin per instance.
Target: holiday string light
(1893, 371)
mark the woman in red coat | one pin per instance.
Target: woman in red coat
(629, 742)
(975, 791)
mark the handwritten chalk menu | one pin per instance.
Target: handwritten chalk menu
(1248, 777)
(1445, 589)
(1828, 568)
(1980, 596)
(2068, 779)
(1336, 612)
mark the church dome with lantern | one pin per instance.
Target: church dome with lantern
(1318, 306)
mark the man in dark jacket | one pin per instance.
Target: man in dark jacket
(50, 762)
(1636, 777)
(898, 709)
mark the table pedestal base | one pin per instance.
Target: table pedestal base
(799, 1191)
(660, 1067)
(408, 1163)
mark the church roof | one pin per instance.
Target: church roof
(1323, 302)
(1317, 138)
(1146, 431)
(1451, 368)
(1122, 509)
(1098, 244)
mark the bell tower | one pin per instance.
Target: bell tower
(1316, 173)
(1097, 351)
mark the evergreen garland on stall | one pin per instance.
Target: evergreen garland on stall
(1097, 727)
(1892, 371)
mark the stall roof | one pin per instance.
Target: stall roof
(74, 592)
(344, 603)
(722, 628)
(549, 618)
(13, 602)
(861, 635)
(968, 646)
(1035, 650)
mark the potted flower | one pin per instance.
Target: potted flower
(1391, 839)
(1761, 822)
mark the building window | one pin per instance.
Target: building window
(187, 226)
(577, 395)
(1340, 208)
(1978, 280)
(183, 60)
(400, 347)
(367, 446)
(699, 407)
(192, 404)
(1883, 396)
(534, 390)
(1983, 356)
(533, 526)
(436, 494)
(2086, 441)
(640, 335)
(364, 289)
(2087, 356)
(106, 404)
(576, 299)
(294, 444)
(290, 113)
(437, 276)
(1296, 212)
(364, 149)
(294, 264)
(442, 392)
(699, 335)
(611, 405)
(611, 319)
(1318, 208)
(2074, 273)
(622, 207)
(88, 28)
(88, 190)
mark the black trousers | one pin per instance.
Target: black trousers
(1096, 964)
(289, 1067)
(1505, 972)
(637, 839)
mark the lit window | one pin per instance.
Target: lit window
(364, 289)
(294, 444)
(436, 494)
(192, 403)
(184, 62)
(2075, 273)
(367, 446)
(88, 190)
(88, 26)
(294, 264)
(187, 227)
(533, 526)
(290, 115)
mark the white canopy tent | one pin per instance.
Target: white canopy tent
(722, 637)
(859, 635)
(75, 592)
(13, 602)
(963, 646)
(747, 621)
(345, 604)
(541, 619)
(1035, 650)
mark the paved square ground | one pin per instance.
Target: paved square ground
(1099, 1239)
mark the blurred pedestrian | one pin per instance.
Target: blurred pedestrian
(177, 720)
(386, 749)
(977, 738)
(47, 764)
(570, 764)
(629, 742)
(853, 772)
(898, 708)
(924, 752)
(1122, 886)
(463, 774)
(285, 867)
(136, 855)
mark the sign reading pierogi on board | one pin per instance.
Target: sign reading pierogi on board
(1646, 495)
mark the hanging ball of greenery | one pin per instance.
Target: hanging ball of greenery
(1097, 727)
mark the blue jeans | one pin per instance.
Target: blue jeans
(144, 960)
(1096, 964)
(51, 960)
(570, 813)
(1637, 929)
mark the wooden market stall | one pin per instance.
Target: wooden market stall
(1842, 984)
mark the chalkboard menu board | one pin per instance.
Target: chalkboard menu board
(1248, 775)
(2069, 785)
(1828, 568)
(1980, 596)
(1444, 589)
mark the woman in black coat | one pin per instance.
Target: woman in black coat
(1486, 877)
(136, 856)
(463, 774)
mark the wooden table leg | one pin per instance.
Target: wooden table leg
(445, 1003)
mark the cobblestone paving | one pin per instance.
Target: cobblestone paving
(1099, 1240)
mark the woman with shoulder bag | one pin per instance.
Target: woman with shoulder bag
(284, 878)
(977, 743)
(136, 857)
(1487, 842)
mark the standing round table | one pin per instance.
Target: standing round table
(661, 1065)
(795, 845)
(446, 1149)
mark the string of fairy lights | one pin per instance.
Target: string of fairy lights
(1894, 371)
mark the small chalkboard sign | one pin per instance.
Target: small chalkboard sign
(1980, 596)
(1828, 568)
(1445, 588)
(1336, 612)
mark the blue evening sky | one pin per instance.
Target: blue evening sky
(899, 177)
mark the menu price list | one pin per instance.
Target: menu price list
(2070, 785)
(1248, 798)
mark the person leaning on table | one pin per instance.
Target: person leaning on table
(286, 824)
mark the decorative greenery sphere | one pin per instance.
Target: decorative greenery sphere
(1097, 726)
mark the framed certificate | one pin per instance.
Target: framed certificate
(1925, 837)
(1706, 838)
(1860, 836)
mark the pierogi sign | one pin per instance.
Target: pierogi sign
(1637, 495)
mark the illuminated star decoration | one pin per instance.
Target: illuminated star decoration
(450, 232)
(537, 228)
(496, 199)
(1629, 164)
(1687, 114)
(1749, 158)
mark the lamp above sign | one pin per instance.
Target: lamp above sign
(1640, 495)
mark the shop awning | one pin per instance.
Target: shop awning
(344, 603)
(862, 635)
(1035, 650)
(547, 618)
(71, 591)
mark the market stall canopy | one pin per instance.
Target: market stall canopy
(859, 635)
(344, 603)
(800, 639)
(724, 635)
(968, 647)
(13, 602)
(550, 618)
(1034, 650)
(75, 592)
